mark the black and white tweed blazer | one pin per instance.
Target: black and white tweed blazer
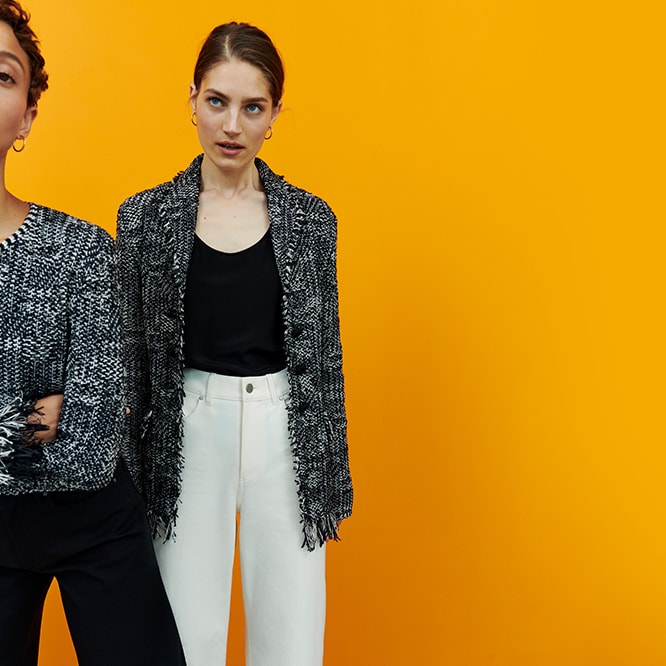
(59, 333)
(155, 236)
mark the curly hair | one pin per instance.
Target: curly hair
(17, 19)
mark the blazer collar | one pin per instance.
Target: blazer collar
(286, 216)
(178, 218)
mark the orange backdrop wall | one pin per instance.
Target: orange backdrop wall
(498, 172)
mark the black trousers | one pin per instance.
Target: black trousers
(98, 547)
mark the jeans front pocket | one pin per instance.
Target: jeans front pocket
(191, 403)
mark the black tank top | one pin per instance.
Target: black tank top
(233, 315)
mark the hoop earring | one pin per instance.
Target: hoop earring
(270, 136)
(22, 148)
(193, 118)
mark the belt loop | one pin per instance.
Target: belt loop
(270, 379)
(209, 381)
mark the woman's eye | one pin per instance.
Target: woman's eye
(7, 78)
(215, 101)
(254, 108)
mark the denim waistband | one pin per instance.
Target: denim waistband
(210, 385)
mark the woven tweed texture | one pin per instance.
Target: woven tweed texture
(59, 333)
(155, 235)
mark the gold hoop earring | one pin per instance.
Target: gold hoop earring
(193, 118)
(269, 136)
(22, 148)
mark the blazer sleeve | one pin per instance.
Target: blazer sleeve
(129, 241)
(333, 390)
(85, 451)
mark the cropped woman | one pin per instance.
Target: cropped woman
(68, 509)
(230, 312)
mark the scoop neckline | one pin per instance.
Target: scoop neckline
(231, 254)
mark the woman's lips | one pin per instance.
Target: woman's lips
(230, 148)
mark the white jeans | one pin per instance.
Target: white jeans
(238, 461)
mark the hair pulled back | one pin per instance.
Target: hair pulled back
(246, 43)
(17, 19)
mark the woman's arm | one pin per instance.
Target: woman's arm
(85, 451)
(129, 242)
(333, 391)
(13, 420)
(24, 424)
(44, 417)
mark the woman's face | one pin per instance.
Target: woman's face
(15, 116)
(234, 111)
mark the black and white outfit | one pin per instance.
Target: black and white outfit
(68, 508)
(237, 398)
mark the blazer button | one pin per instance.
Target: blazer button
(296, 331)
(303, 407)
(300, 369)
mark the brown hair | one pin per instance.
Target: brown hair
(17, 19)
(246, 43)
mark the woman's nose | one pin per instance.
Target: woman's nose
(231, 123)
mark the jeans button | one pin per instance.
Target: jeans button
(249, 388)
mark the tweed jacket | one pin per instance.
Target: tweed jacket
(155, 236)
(59, 333)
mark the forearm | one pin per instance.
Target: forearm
(333, 394)
(20, 453)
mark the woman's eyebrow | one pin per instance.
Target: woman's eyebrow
(221, 95)
(11, 56)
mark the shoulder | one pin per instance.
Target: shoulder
(313, 204)
(297, 198)
(68, 231)
(135, 204)
(317, 215)
(184, 183)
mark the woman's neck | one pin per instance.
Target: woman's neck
(12, 213)
(229, 184)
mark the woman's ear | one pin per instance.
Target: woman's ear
(26, 124)
(193, 96)
(276, 111)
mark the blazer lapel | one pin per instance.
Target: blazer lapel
(169, 238)
(183, 208)
(286, 219)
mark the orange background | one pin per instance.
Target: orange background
(498, 171)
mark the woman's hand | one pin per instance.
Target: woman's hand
(47, 413)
